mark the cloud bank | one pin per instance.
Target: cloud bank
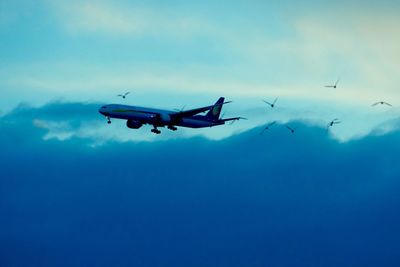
(250, 200)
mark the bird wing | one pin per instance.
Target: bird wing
(377, 103)
(387, 104)
(337, 81)
(276, 99)
(266, 102)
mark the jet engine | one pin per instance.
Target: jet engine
(133, 124)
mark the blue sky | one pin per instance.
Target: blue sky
(192, 53)
(75, 191)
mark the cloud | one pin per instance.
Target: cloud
(54, 120)
(64, 121)
(277, 198)
(67, 120)
(318, 48)
(113, 18)
(308, 51)
(292, 57)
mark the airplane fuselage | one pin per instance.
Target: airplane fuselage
(138, 116)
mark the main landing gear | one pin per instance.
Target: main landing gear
(155, 130)
(108, 120)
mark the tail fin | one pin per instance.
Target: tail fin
(215, 111)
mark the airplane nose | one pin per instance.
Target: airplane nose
(102, 111)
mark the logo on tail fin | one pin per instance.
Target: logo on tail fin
(215, 111)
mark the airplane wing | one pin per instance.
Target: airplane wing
(192, 112)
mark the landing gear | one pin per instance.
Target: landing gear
(172, 128)
(108, 120)
(155, 130)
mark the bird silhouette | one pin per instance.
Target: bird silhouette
(292, 130)
(333, 86)
(381, 103)
(333, 122)
(124, 95)
(271, 104)
(180, 110)
(268, 126)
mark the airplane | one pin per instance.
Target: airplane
(136, 117)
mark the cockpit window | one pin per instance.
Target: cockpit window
(103, 106)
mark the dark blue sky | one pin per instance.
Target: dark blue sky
(250, 200)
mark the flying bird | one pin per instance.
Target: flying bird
(180, 110)
(333, 122)
(333, 86)
(381, 103)
(268, 126)
(271, 104)
(292, 130)
(124, 95)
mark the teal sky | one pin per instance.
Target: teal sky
(189, 53)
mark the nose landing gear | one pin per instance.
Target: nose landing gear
(108, 120)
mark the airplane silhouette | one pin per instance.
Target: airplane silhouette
(136, 117)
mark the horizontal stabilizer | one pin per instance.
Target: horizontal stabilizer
(233, 119)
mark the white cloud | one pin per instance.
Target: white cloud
(59, 130)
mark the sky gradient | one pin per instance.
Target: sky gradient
(193, 53)
(75, 191)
